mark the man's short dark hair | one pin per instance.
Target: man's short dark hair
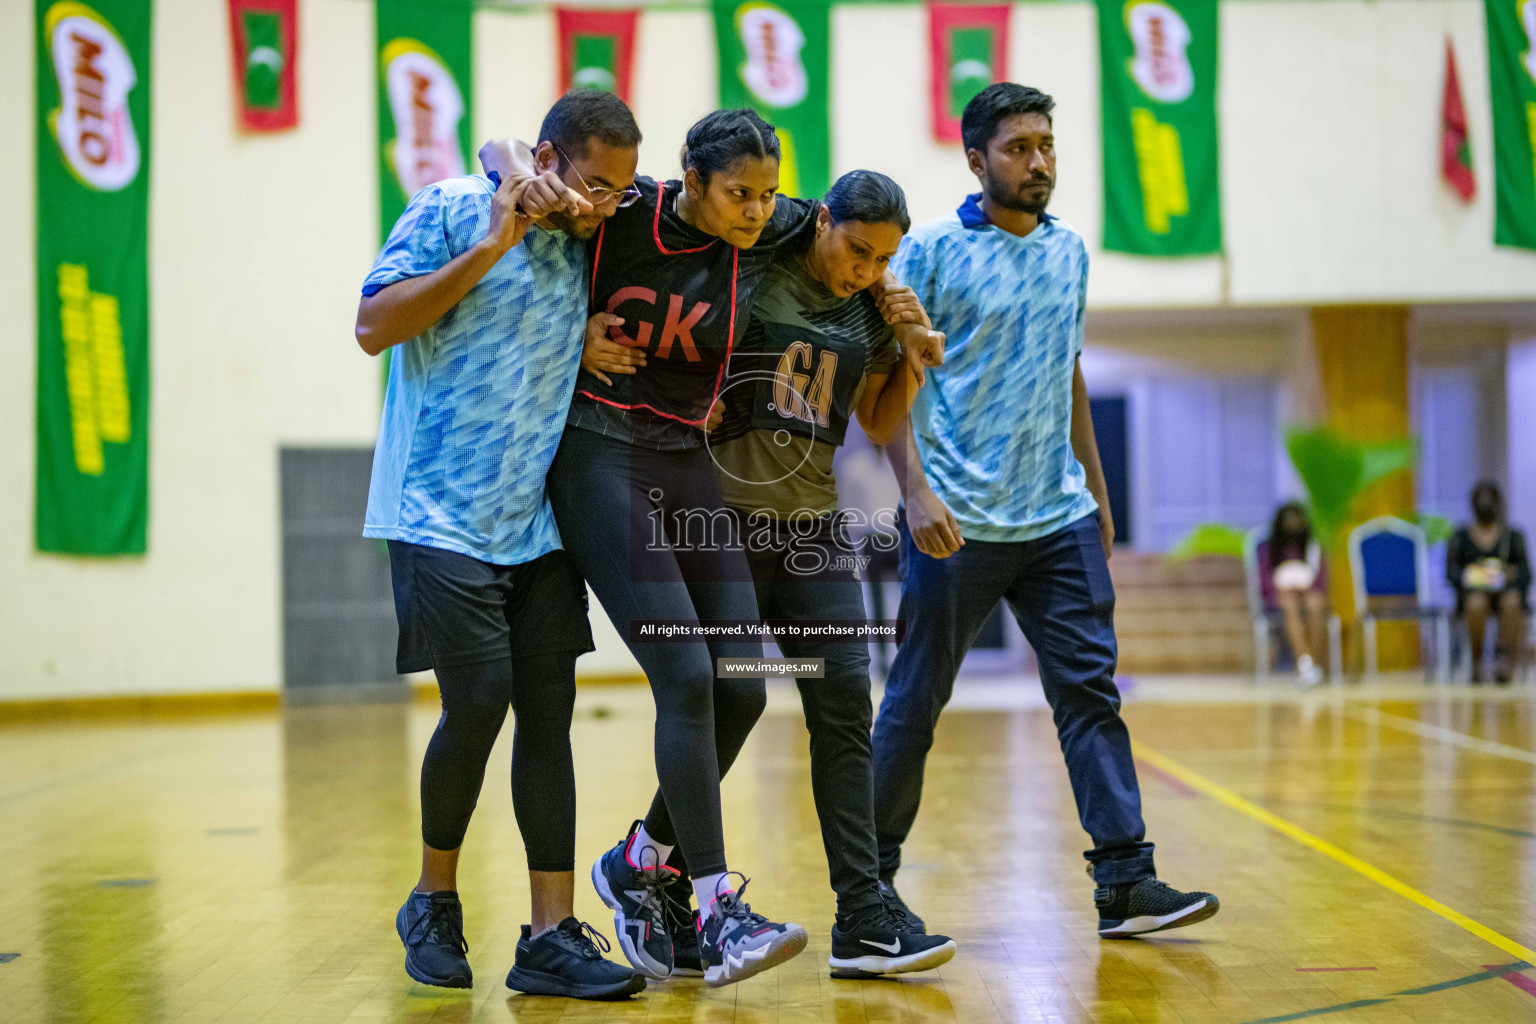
(584, 114)
(995, 104)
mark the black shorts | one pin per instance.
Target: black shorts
(1494, 597)
(457, 610)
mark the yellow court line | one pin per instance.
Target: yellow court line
(1219, 792)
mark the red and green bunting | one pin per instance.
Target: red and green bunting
(264, 40)
(93, 147)
(1455, 152)
(968, 51)
(597, 49)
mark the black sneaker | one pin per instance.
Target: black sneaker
(432, 927)
(565, 961)
(893, 900)
(735, 943)
(876, 940)
(685, 933)
(631, 883)
(1149, 906)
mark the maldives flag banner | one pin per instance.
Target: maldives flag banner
(1512, 82)
(1455, 150)
(1157, 66)
(968, 51)
(425, 50)
(264, 39)
(774, 58)
(93, 146)
(597, 49)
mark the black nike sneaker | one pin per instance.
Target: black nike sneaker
(735, 943)
(631, 883)
(876, 940)
(566, 961)
(893, 900)
(685, 932)
(1149, 906)
(432, 927)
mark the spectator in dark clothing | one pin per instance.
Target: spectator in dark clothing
(1488, 564)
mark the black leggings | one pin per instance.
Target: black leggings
(541, 690)
(648, 530)
(808, 578)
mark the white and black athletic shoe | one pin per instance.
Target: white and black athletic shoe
(1149, 906)
(893, 900)
(631, 882)
(735, 943)
(685, 932)
(875, 941)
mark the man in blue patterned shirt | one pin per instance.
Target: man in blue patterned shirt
(1005, 500)
(482, 292)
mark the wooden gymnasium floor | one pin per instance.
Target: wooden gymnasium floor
(1374, 850)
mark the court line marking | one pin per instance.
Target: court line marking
(1509, 972)
(1318, 969)
(1520, 982)
(1173, 783)
(1439, 732)
(1244, 806)
(1388, 812)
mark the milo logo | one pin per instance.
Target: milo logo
(427, 107)
(1161, 65)
(92, 124)
(773, 70)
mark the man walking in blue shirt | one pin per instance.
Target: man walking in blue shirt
(1005, 500)
(482, 292)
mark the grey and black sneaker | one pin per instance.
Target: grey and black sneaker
(566, 961)
(876, 940)
(1149, 906)
(432, 927)
(631, 883)
(735, 943)
(685, 932)
(893, 900)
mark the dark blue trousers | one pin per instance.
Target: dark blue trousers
(1060, 592)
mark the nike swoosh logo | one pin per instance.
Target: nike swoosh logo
(893, 948)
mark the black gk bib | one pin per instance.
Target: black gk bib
(684, 297)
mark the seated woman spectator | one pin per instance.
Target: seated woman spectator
(1488, 565)
(1294, 579)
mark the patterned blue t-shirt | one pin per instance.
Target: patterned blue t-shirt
(476, 404)
(994, 423)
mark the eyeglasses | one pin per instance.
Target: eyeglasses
(599, 195)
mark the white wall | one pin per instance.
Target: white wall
(1329, 117)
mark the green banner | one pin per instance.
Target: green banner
(1512, 83)
(1157, 64)
(425, 53)
(93, 84)
(774, 59)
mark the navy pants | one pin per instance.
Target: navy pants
(1060, 592)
